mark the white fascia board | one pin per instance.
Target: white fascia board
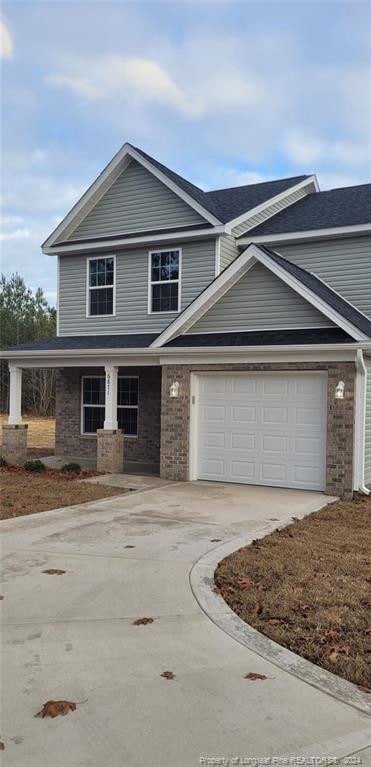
(207, 298)
(105, 179)
(186, 356)
(312, 298)
(258, 354)
(309, 234)
(128, 241)
(310, 182)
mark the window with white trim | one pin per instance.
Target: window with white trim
(101, 285)
(164, 275)
(93, 404)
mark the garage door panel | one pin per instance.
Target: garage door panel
(274, 415)
(213, 439)
(244, 414)
(271, 472)
(214, 413)
(275, 386)
(262, 429)
(308, 416)
(307, 446)
(241, 471)
(272, 443)
(241, 385)
(243, 441)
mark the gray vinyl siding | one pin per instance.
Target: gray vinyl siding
(136, 201)
(198, 270)
(269, 211)
(260, 301)
(344, 264)
(228, 250)
(368, 425)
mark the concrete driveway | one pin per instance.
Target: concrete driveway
(72, 637)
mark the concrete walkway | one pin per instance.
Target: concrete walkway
(72, 637)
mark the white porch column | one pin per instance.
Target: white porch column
(110, 419)
(15, 396)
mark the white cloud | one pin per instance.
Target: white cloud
(303, 149)
(6, 41)
(16, 234)
(139, 79)
(34, 193)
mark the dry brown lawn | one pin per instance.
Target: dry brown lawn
(308, 587)
(41, 435)
(24, 492)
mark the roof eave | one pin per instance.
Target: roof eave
(305, 234)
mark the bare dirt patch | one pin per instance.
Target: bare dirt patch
(24, 492)
(40, 436)
(308, 587)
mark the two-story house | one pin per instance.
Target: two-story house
(222, 335)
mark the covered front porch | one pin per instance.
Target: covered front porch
(107, 416)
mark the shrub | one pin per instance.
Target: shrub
(3, 462)
(73, 468)
(35, 465)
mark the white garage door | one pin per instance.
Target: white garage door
(262, 429)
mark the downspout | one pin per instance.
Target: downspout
(359, 447)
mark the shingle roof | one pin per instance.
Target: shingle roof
(133, 341)
(263, 338)
(322, 290)
(227, 204)
(348, 206)
(234, 201)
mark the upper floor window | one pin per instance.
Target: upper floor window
(101, 286)
(164, 281)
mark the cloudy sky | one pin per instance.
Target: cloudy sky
(226, 93)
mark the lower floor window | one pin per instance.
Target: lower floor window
(93, 404)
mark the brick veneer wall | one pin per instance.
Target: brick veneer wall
(70, 442)
(340, 419)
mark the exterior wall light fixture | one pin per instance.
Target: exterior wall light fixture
(174, 389)
(339, 390)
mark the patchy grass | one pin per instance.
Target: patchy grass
(308, 587)
(40, 437)
(23, 492)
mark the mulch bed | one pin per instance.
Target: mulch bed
(26, 492)
(307, 587)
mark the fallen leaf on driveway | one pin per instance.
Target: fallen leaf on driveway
(1, 596)
(55, 708)
(168, 675)
(1, 745)
(129, 546)
(142, 621)
(215, 540)
(253, 676)
(54, 571)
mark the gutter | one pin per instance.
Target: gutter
(359, 432)
(183, 350)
